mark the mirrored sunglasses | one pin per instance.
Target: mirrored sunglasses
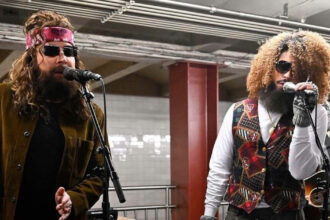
(283, 66)
(53, 51)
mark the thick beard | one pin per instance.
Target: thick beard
(276, 100)
(55, 89)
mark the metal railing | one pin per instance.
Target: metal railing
(123, 211)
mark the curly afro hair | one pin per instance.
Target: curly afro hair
(311, 54)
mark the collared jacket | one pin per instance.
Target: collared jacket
(79, 157)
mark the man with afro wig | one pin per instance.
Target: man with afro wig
(266, 145)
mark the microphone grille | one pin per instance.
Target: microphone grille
(289, 87)
(68, 73)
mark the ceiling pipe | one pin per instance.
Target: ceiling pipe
(139, 8)
(178, 13)
(95, 3)
(211, 31)
(144, 21)
(157, 10)
(127, 49)
(87, 13)
(198, 16)
(119, 11)
(213, 9)
(208, 21)
(177, 20)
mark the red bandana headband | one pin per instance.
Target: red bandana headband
(48, 34)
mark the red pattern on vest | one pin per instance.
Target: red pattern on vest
(261, 169)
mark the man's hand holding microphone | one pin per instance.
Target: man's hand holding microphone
(306, 94)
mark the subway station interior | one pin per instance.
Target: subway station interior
(161, 126)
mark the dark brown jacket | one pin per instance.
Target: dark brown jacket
(79, 152)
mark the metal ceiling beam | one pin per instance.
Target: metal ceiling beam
(181, 27)
(128, 49)
(212, 9)
(188, 16)
(163, 17)
(120, 74)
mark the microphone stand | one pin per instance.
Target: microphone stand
(108, 169)
(325, 159)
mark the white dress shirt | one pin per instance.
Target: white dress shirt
(304, 155)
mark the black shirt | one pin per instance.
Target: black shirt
(37, 194)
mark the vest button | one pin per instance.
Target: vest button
(13, 199)
(263, 170)
(19, 166)
(26, 134)
(262, 192)
(264, 149)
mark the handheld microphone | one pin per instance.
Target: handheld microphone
(290, 87)
(80, 75)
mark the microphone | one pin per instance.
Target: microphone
(290, 87)
(80, 75)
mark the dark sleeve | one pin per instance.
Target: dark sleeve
(85, 194)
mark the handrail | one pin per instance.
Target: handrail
(144, 187)
(167, 206)
(132, 208)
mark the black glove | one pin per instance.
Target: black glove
(205, 217)
(300, 114)
(311, 101)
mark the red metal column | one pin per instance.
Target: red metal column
(193, 129)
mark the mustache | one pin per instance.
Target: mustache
(57, 69)
(282, 80)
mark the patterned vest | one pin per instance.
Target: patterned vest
(261, 169)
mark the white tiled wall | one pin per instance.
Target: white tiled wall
(138, 131)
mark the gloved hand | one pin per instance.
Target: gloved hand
(205, 217)
(311, 98)
(300, 116)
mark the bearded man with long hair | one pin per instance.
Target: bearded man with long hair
(266, 145)
(48, 142)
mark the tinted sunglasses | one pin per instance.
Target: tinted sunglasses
(53, 51)
(283, 66)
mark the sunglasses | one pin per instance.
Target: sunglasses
(283, 66)
(53, 51)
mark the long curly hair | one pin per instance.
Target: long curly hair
(311, 54)
(23, 75)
